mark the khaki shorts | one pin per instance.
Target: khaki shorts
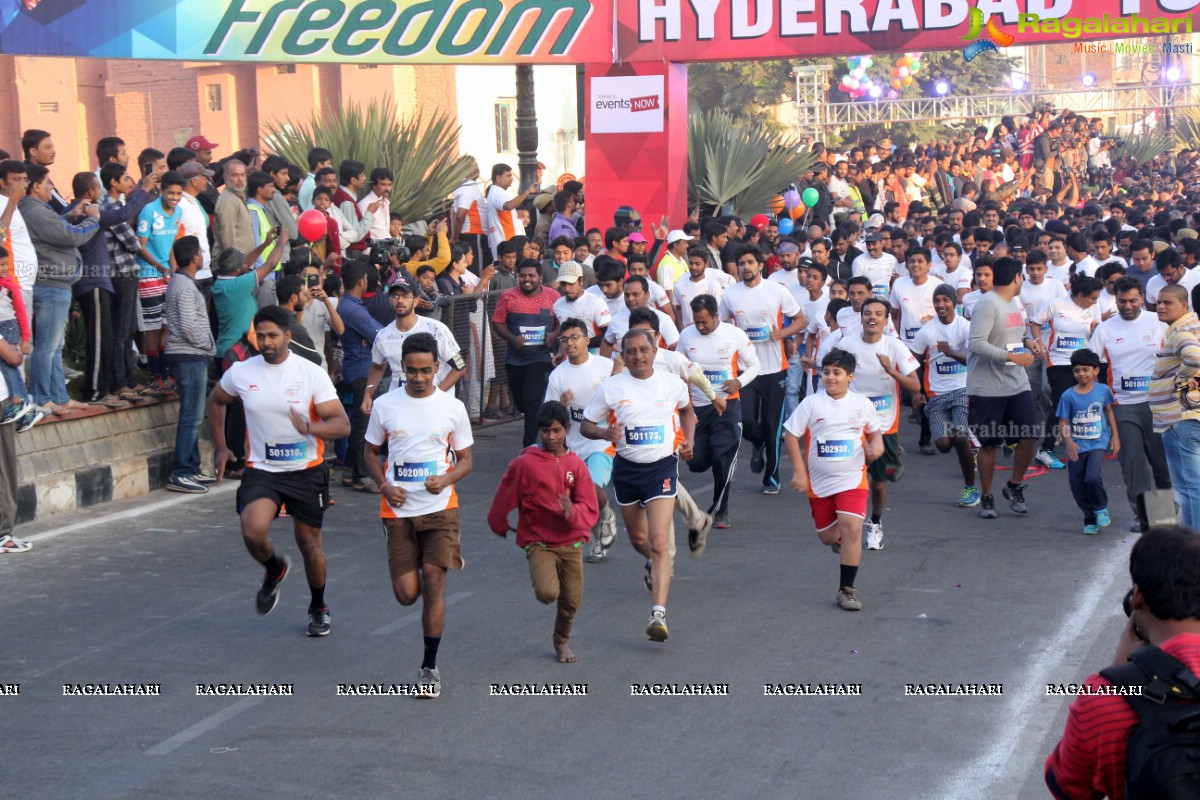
(428, 539)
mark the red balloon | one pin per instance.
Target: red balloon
(312, 225)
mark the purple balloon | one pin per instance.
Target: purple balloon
(791, 199)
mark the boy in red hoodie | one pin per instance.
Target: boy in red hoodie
(553, 491)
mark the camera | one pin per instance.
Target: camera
(382, 251)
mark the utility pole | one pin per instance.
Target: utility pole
(527, 132)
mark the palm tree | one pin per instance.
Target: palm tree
(739, 166)
(423, 154)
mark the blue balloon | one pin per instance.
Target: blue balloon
(786, 226)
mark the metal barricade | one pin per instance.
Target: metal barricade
(484, 387)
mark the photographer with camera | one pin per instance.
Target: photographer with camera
(1107, 737)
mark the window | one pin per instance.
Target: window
(213, 93)
(285, 69)
(506, 125)
(47, 107)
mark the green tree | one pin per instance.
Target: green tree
(742, 89)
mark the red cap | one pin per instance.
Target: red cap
(200, 143)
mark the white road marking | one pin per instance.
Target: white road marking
(203, 726)
(1000, 771)
(131, 513)
(409, 619)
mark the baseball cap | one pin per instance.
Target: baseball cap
(198, 142)
(873, 237)
(401, 286)
(1185, 233)
(541, 201)
(626, 216)
(194, 169)
(678, 236)
(570, 272)
(636, 237)
(1159, 245)
(876, 221)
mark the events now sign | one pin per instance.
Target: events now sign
(534, 31)
(627, 104)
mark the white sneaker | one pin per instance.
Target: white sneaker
(608, 527)
(9, 544)
(596, 553)
(874, 535)
(429, 683)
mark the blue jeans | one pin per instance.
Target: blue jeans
(51, 306)
(192, 379)
(1182, 444)
(1087, 485)
(14, 381)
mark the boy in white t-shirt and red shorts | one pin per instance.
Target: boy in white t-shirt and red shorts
(841, 432)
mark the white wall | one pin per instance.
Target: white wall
(480, 88)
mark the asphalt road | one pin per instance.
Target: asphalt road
(160, 591)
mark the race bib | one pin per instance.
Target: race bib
(880, 289)
(576, 414)
(759, 334)
(413, 473)
(911, 333)
(534, 335)
(1086, 425)
(835, 449)
(1135, 383)
(883, 403)
(1068, 342)
(1015, 347)
(645, 436)
(286, 454)
(718, 377)
(950, 367)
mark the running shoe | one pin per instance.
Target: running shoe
(847, 598)
(184, 484)
(769, 488)
(8, 544)
(15, 411)
(268, 595)
(647, 577)
(928, 450)
(608, 527)
(969, 497)
(874, 535)
(698, 537)
(1015, 495)
(318, 621)
(1138, 527)
(596, 553)
(32, 417)
(987, 506)
(429, 683)
(656, 628)
(722, 521)
(1091, 530)
(204, 480)
(1102, 518)
(757, 460)
(1049, 460)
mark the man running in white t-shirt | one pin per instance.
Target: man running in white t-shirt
(291, 408)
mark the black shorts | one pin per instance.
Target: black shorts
(639, 484)
(305, 492)
(996, 420)
(890, 466)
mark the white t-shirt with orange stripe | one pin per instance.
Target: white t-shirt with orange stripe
(647, 411)
(832, 432)
(502, 225)
(870, 379)
(468, 196)
(943, 373)
(722, 355)
(268, 392)
(422, 434)
(758, 311)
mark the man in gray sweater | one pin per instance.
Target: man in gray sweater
(188, 351)
(999, 403)
(56, 241)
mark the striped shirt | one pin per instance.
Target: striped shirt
(1089, 761)
(1178, 360)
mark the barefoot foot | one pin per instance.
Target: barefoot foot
(565, 656)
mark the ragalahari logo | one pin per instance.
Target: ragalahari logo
(996, 37)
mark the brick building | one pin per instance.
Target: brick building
(163, 103)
